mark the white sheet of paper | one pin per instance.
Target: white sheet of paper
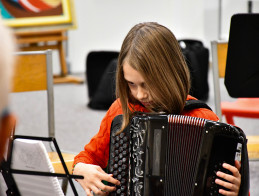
(32, 155)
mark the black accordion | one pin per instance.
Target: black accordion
(173, 155)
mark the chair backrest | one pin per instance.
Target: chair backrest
(33, 72)
(219, 58)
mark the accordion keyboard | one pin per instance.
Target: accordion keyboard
(119, 161)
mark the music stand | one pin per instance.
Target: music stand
(8, 172)
(242, 68)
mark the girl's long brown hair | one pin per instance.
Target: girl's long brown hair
(154, 52)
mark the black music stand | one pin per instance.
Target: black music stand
(8, 172)
(242, 67)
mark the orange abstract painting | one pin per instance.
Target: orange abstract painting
(21, 13)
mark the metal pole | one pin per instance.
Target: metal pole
(219, 19)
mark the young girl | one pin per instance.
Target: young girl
(152, 76)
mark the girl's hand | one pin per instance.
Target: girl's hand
(93, 176)
(234, 180)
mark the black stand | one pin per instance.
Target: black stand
(7, 171)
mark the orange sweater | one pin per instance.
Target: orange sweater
(97, 150)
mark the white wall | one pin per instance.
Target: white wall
(103, 24)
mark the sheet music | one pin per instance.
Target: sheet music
(32, 155)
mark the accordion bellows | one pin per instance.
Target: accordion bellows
(171, 155)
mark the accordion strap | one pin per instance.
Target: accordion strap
(195, 104)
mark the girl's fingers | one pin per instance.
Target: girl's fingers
(227, 185)
(98, 191)
(231, 168)
(88, 192)
(227, 177)
(238, 165)
(93, 180)
(232, 181)
(105, 188)
(224, 192)
(109, 178)
(101, 170)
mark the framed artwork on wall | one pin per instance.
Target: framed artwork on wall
(29, 13)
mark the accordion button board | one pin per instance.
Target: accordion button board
(119, 160)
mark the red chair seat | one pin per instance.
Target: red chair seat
(242, 107)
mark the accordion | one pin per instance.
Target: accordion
(172, 155)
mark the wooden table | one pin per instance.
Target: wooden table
(51, 39)
(56, 162)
